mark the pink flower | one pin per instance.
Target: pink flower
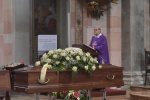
(76, 94)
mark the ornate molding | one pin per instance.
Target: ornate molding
(96, 8)
(79, 22)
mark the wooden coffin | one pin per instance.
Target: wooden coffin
(108, 76)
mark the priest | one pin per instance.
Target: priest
(99, 43)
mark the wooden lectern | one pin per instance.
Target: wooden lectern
(86, 48)
(12, 73)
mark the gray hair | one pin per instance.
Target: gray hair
(97, 27)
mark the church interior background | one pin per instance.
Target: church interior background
(125, 24)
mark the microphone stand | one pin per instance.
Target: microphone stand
(103, 59)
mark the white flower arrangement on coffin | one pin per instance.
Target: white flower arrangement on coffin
(73, 59)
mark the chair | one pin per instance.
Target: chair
(147, 65)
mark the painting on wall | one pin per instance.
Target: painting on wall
(44, 17)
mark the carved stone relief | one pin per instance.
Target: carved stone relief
(79, 22)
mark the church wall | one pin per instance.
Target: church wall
(6, 32)
(14, 41)
(114, 33)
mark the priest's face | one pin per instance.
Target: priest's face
(97, 31)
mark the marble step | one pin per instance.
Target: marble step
(109, 92)
(139, 88)
(140, 95)
(139, 92)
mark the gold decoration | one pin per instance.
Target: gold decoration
(97, 7)
(114, 1)
(110, 78)
(43, 83)
(92, 5)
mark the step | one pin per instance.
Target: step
(109, 92)
(139, 88)
(139, 95)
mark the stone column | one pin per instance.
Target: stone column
(147, 25)
(133, 40)
(79, 22)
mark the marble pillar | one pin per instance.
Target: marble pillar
(133, 40)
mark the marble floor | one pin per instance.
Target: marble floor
(22, 96)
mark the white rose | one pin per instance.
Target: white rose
(67, 49)
(86, 67)
(48, 60)
(78, 58)
(62, 54)
(100, 66)
(80, 50)
(84, 59)
(80, 53)
(87, 54)
(59, 50)
(74, 68)
(50, 52)
(37, 63)
(95, 60)
(44, 56)
(54, 56)
(91, 59)
(57, 62)
(93, 67)
(71, 52)
(67, 58)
